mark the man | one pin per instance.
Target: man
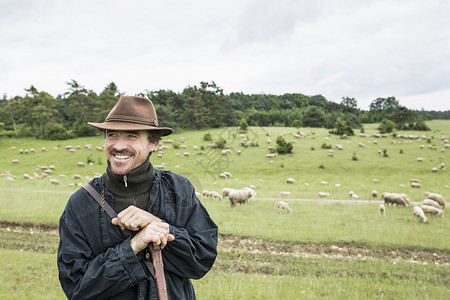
(95, 259)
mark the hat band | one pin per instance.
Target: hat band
(131, 119)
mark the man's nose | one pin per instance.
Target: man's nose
(120, 144)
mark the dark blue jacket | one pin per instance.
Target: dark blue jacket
(95, 259)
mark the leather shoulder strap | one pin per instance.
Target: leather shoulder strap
(105, 206)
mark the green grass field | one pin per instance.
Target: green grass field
(239, 273)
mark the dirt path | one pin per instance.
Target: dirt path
(259, 247)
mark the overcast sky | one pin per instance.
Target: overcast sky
(349, 48)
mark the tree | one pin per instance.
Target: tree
(401, 116)
(37, 110)
(314, 117)
(349, 104)
(388, 104)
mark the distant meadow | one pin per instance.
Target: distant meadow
(336, 247)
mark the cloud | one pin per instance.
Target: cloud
(335, 48)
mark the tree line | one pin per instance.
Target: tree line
(40, 115)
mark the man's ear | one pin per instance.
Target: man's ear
(154, 145)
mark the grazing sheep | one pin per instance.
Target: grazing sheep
(355, 196)
(228, 174)
(76, 176)
(239, 197)
(382, 209)
(416, 185)
(374, 194)
(350, 194)
(222, 175)
(283, 206)
(434, 170)
(418, 212)
(323, 195)
(226, 192)
(15, 161)
(55, 181)
(432, 210)
(431, 202)
(214, 194)
(395, 198)
(285, 194)
(206, 193)
(290, 180)
(252, 193)
(186, 153)
(81, 164)
(436, 197)
(420, 159)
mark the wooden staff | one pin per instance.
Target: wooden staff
(159, 276)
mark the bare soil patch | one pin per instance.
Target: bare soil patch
(42, 234)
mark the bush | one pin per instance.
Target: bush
(243, 125)
(207, 137)
(283, 147)
(387, 126)
(220, 143)
(56, 132)
(83, 130)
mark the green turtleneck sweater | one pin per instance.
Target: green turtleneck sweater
(135, 191)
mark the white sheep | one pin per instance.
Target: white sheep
(436, 197)
(431, 202)
(382, 209)
(416, 185)
(285, 194)
(226, 192)
(214, 194)
(374, 194)
(239, 197)
(283, 206)
(323, 195)
(206, 193)
(81, 164)
(395, 198)
(432, 210)
(355, 196)
(15, 161)
(228, 174)
(252, 192)
(419, 213)
(290, 180)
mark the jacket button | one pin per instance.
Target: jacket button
(147, 255)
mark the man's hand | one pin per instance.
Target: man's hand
(134, 218)
(156, 232)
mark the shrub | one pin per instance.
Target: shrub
(283, 147)
(207, 137)
(56, 132)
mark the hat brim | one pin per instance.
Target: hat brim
(163, 131)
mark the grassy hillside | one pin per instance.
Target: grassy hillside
(409, 258)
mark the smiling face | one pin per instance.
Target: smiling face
(127, 150)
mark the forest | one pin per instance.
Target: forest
(38, 114)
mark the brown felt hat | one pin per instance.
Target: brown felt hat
(133, 113)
